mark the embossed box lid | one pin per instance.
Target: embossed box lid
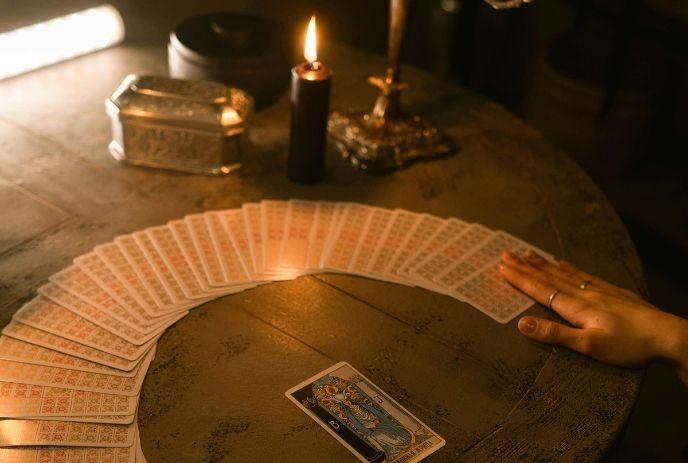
(201, 105)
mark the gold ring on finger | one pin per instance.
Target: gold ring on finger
(552, 296)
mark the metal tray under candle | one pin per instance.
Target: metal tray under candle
(189, 126)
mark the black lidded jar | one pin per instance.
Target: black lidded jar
(245, 51)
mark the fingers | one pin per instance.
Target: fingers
(574, 276)
(554, 333)
(563, 303)
(582, 276)
(552, 271)
(544, 270)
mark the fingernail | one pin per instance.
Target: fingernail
(527, 325)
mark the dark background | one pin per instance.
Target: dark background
(607, 80)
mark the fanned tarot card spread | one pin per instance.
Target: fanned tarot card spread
(325, 219)
(341, 248)
(235, 271)
(68, 455)
(115, 260)
(273, 215)
(255, 236)
(157, 263)
(368, 242)
(427, 271)
(137, 263)
(16, 433)
(45, 315)
(296, 236)
(182, 235)
(125, 328)
(21, 351)
(425, 228)
(399, 228)
(73, 280)
(27, 373)
(73, 358)
(236, 227)
(20, 400)
(363, 418)
(18, 330)
(447, 231)
(253, 219)
(202, 241)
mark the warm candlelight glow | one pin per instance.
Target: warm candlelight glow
(229, 117)
(310, 51)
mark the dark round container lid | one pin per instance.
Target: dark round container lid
(230, 38)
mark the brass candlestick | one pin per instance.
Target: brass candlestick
(387, 139)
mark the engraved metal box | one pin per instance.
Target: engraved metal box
(189, 126)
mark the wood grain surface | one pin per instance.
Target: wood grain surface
(215, 389)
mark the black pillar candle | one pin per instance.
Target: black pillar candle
(310, 101)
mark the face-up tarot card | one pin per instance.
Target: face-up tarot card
(372, 425)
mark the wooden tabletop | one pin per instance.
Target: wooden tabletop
(215, 391)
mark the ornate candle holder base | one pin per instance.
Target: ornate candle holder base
(381, 145)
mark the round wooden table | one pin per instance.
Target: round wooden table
(215, 391)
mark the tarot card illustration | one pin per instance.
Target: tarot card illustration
(367, 421)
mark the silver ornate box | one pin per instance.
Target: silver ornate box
(184, 125)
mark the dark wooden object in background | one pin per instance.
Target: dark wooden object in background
(215, 391)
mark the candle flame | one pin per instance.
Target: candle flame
(310, 51)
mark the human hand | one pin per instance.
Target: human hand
(610, 324)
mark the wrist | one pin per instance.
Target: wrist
(673, 334)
